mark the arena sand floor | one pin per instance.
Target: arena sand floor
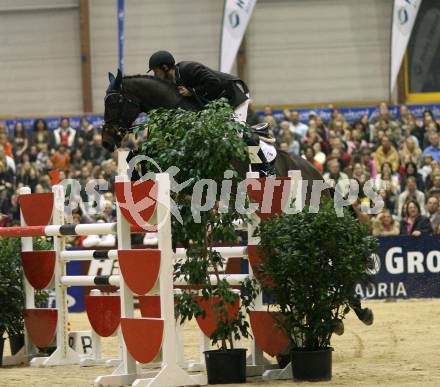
(402, 348)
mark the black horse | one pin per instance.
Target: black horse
(129, 96)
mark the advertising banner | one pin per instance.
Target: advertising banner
(236, 16)
(404, 16)
(406, 267)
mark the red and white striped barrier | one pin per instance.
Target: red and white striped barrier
(64, 230)
(88, 255)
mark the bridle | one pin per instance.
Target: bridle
(120, 120)
(118, 128)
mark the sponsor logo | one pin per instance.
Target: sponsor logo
(376, 262)
(381, 290)
(412, 262)
(234, 19)
(402, 15)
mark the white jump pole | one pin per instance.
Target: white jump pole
(63, 355)
(257, 359)
(29, 291)
(297, 193)
(170, 373)
(88, 255)
(259, 365)
(128, 364)
(89, 280)
(127, 372)
(28, 350)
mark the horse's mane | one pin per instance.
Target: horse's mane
(145, 76)
(144, 86)
(138, 76)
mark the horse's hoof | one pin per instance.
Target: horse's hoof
(338, 327)
(365, 315)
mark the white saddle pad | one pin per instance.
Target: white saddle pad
(269, 151)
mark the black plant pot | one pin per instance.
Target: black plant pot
(225, 367)
(16, 343)
(312, 366)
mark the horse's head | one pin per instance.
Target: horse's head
(120, 112)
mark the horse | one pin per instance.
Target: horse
(128, 96)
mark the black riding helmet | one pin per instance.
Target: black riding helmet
(160, 58)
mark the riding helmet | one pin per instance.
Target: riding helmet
(160, 58)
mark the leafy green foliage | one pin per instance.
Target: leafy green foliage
(315, 260)
(203, 145)
(12, 297)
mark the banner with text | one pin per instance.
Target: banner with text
(406, 267)
(236, 16)
(404, 16)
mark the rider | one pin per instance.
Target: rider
(204, 84)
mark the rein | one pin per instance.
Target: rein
(126, 101)
(123, 99)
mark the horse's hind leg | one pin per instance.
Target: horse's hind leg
(364, 314)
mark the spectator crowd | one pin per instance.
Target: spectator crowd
(40, 157)
(400, 155)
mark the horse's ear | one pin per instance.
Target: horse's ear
(111, 79)
(118, 80)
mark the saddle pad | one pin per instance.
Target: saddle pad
(269, 151)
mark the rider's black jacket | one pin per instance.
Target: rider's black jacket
(208, 84)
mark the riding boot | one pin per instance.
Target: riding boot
(265, 169)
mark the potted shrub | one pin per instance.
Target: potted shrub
(12, 298)
(203, 145)
(314, 261)
(11, 288)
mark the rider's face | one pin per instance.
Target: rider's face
(165, 73)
